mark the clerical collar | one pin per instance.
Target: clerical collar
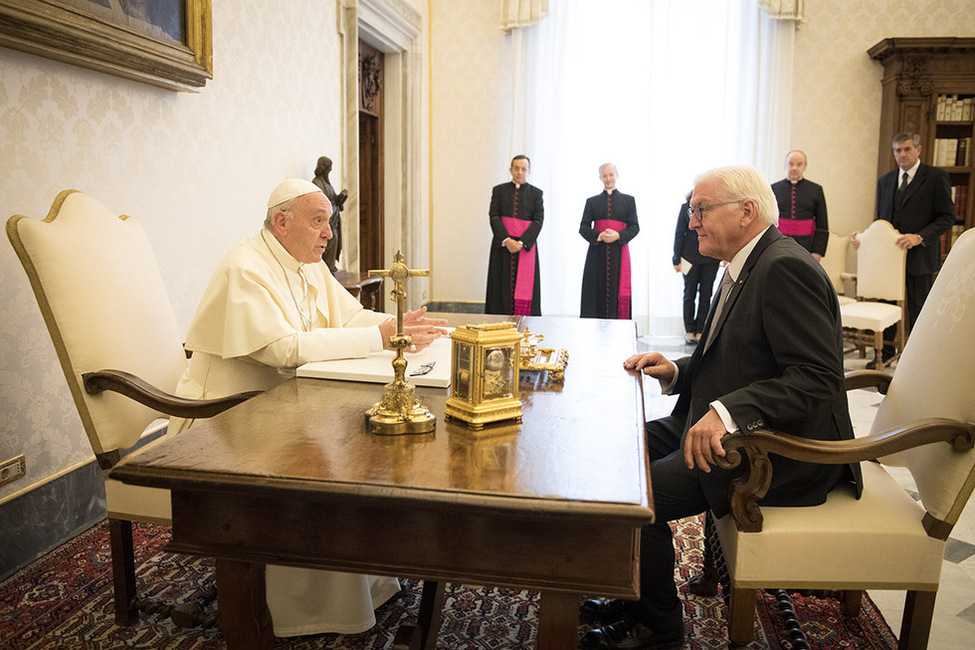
(286, 261)
(610, 191)
(517, 185)
(279, 253)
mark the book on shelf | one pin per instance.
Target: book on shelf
(951, 108)
(949, 238)
(952, 152)
(959, 196)
(956, 232)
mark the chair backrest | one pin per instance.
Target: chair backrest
(881, 264)
(834, 261)
(934, 378)
(105, 305)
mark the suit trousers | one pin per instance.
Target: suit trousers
(918, 288)
(677, 493)
(698, 285)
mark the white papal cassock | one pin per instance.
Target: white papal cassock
(263, 314)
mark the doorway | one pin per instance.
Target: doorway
(371, 170)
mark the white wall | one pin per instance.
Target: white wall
(195, 168)
(470, 130)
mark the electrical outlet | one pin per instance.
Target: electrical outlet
(12, 469)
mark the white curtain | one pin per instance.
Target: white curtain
(664, 90)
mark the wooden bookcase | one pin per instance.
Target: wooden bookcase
(921, 74)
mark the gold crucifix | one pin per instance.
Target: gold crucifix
(399, 411)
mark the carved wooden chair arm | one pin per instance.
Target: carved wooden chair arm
(868, 379)
(144, 393)
(757, 445)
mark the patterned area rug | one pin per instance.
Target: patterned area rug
(64, 600)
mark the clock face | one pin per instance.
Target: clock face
(497, 373)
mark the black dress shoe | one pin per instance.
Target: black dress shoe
(704, 583)
(602, 611)
(632, 634)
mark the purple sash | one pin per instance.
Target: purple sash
(525, 284)
(797, 227)
(624, 290)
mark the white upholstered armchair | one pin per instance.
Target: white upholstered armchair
(105, 306)
(886, 539)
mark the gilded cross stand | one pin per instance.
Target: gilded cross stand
(399, 411)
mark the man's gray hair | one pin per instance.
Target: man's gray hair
(742, 183)
(904, 137)
(285, 207)
(605, 165)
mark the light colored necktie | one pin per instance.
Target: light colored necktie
(726, 283)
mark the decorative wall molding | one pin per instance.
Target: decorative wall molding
(394, 28)
(784, 9)
(522, 13)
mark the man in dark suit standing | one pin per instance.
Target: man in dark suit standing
(770, 358)
(916, 199)
(516, 213)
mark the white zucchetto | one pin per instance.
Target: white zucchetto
(290, 188)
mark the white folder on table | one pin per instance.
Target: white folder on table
(377, 367)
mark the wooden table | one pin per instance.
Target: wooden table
(291, 477)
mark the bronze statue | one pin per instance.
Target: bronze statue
(334, 247)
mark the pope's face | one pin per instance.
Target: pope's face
(795, 166)
(608, 175)
(519, 170)
(305, 232)
(906, 154)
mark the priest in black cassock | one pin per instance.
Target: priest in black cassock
(516, 212)
(609, 222)
(802, 206)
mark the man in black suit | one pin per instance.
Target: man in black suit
(916, 199)
(516, 213)
(770, 358)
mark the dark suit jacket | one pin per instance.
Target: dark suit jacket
(776, 362)
(927, 211)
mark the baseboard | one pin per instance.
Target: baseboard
(45, 517)
(452, 307)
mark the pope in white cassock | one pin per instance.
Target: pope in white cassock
(271, 306)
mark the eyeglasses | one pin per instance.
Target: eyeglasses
(701, 209)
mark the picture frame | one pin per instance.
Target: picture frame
(166, 43)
